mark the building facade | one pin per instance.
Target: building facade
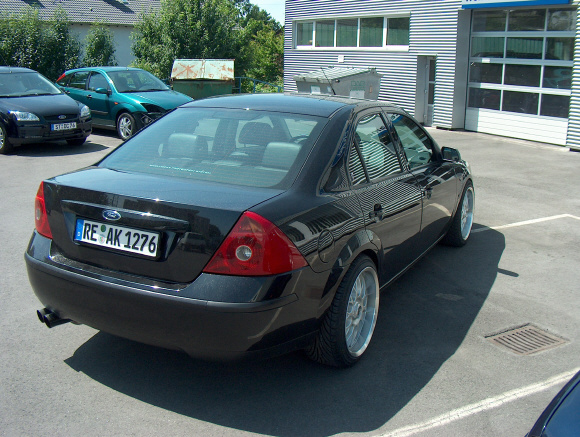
(504, 67)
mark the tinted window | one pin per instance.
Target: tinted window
(376, 147)
(416, 144)
(79, 80)
(26, 84)
(97, 80)
(355, 167)
(250, 148)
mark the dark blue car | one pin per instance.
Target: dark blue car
(33, 110)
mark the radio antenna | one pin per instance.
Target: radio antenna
(329, 82)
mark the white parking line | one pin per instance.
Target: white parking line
(527, 222)
(484, 405)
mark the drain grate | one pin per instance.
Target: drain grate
(526, 340)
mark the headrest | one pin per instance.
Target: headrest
(256, 133)
(182, 145)
(280, 155)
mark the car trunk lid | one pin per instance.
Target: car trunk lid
(150, 226)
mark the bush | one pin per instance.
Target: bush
(47, 47)
(99, 47)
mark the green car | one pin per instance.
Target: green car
(121, 98)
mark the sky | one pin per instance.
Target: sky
(274, 7)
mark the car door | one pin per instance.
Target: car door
(99, 103)
(390, 196)
(435, 176)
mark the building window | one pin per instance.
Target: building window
(371, 32)
(304, 34)
(518, 63)
(347, 33)
(325, 33)
(363, 32)
(398, 32)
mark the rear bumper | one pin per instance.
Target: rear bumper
(207, 329)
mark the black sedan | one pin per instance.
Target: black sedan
(248, 226)
(33, 110)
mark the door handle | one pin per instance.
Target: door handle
(89, 96)
(377, 212)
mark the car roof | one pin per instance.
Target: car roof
(106, 69)
(8, 70)
(296, 103)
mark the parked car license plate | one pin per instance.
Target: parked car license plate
(64, 126)
(117, 237)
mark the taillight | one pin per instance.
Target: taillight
(40, 216)
(255, 247)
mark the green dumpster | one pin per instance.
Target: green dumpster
(199, 78)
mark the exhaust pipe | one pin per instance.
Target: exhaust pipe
(49, 318)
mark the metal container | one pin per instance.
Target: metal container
(360, 83)
(199, 78)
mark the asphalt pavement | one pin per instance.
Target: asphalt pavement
(431, 369)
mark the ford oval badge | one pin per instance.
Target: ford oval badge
(61, 117)
(111, 215)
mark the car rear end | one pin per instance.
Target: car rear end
(159, 242)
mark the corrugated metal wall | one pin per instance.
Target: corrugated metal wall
(433, 33)
(573, 140)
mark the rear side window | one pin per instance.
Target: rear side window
(238, 147)
(376, 148)
(79, 80)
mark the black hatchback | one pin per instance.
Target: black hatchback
(34, 110)
(248, 225)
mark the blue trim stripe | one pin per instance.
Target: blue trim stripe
(474, 4)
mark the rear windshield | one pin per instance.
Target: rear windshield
(26, 84)
(231, 146)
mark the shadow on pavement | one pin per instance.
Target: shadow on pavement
(423, 319)
(57, 149)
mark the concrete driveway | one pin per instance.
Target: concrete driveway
(430, 371)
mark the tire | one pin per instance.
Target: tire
(350, 321)
(5, 146)
(126, 126)
(76, 142)
(460, 229)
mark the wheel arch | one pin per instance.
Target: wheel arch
(360, 243)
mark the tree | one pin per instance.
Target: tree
(211, 29)
(186, 29)
(47, 47)
(266, 56)
(99, 46)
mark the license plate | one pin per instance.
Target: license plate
(64, 126)
(117, 237)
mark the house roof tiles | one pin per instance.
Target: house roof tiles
(112, 12)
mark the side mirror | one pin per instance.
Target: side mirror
(101, 90)
(450, 154)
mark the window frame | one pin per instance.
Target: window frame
(335, 47)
